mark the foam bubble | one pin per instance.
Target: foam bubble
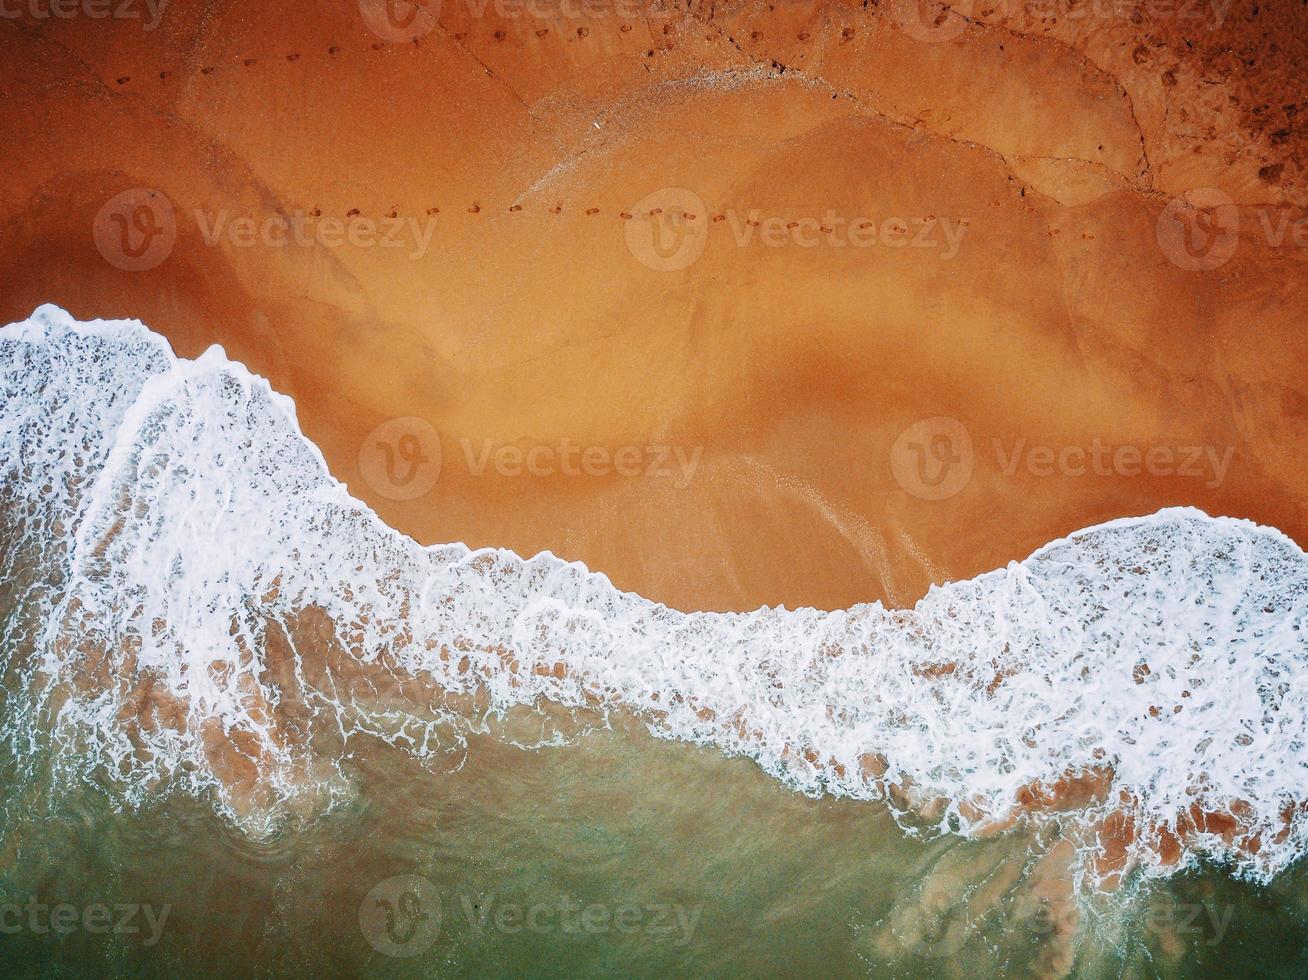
(203, 608)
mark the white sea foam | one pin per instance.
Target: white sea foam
(169, 533)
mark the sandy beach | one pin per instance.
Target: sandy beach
(964, 221)
(641, 321)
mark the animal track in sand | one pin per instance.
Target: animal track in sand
(582, 33)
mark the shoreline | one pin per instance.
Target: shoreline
(998, 699)
(747, 488)
(535, 317)
(32, 329)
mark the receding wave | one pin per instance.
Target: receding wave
(198, 606)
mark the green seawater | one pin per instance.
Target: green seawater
(615, 855)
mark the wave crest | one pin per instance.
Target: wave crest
(200, 606)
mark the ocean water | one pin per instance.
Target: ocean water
(230, 690)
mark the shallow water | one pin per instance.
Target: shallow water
(766, 882)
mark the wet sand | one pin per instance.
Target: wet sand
(1059, 323)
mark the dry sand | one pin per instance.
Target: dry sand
(1062, 320)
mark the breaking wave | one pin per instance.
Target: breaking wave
(199, 606)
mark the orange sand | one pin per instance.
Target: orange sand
(1060, 321)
